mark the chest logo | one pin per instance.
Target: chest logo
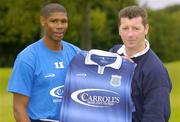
(57, 91)
(50, 75)
(115, 80)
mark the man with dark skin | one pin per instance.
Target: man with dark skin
(39, 71)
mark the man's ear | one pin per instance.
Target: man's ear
(146, 29)
(42, 21)
(119, 29)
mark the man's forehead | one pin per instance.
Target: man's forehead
(56, 14)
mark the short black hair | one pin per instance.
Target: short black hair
(52, 7)
(132, 12)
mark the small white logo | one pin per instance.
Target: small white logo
(50, 75)
(81, 74)
(115, 80)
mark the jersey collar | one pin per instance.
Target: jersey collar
(121, 50)
(115, 65)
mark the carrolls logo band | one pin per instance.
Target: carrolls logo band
(96, 97)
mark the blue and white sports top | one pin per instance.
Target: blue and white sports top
(39, 73)
(98, 88)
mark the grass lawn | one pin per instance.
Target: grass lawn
(174, 71)
(6, 114)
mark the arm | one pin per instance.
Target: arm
(20, 84)
(20, 103)
(156, 105)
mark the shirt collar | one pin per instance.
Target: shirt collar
(116, 65)
(121, 50)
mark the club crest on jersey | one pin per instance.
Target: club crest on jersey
(115, 80)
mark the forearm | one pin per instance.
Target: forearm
(21, 116)
(157, 106)
(20, 103)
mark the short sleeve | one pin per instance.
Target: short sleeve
(21, 79)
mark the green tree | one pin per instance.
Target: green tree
(92, 24)
(95, 22)
(164, 33)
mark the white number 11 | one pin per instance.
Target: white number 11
(59, 65)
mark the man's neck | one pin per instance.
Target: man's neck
(131, 52)
(53, 45)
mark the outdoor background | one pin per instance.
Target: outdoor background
(92, 24)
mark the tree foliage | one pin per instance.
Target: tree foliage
(92, 24)
(165, 33)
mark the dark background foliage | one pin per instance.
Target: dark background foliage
(92, 24)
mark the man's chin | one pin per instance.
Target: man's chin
(130, 46)
(58, 39)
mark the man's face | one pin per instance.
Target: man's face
(132, 32)
(55, 25)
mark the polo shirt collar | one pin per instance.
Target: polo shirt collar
(116, 65)
(122, 50)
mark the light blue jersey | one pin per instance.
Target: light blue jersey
(40, 74)
(98, 88)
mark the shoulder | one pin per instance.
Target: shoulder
(150, 63)
(28, 54)
(70, 50)
(70, 46)
(154, 69)
(115, 48)
(153, 61)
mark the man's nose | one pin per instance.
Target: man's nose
(130, 32)
(59, 24)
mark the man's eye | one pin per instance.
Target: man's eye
(64, 21)
(136, 28)
(125, 28)
(54, 21)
